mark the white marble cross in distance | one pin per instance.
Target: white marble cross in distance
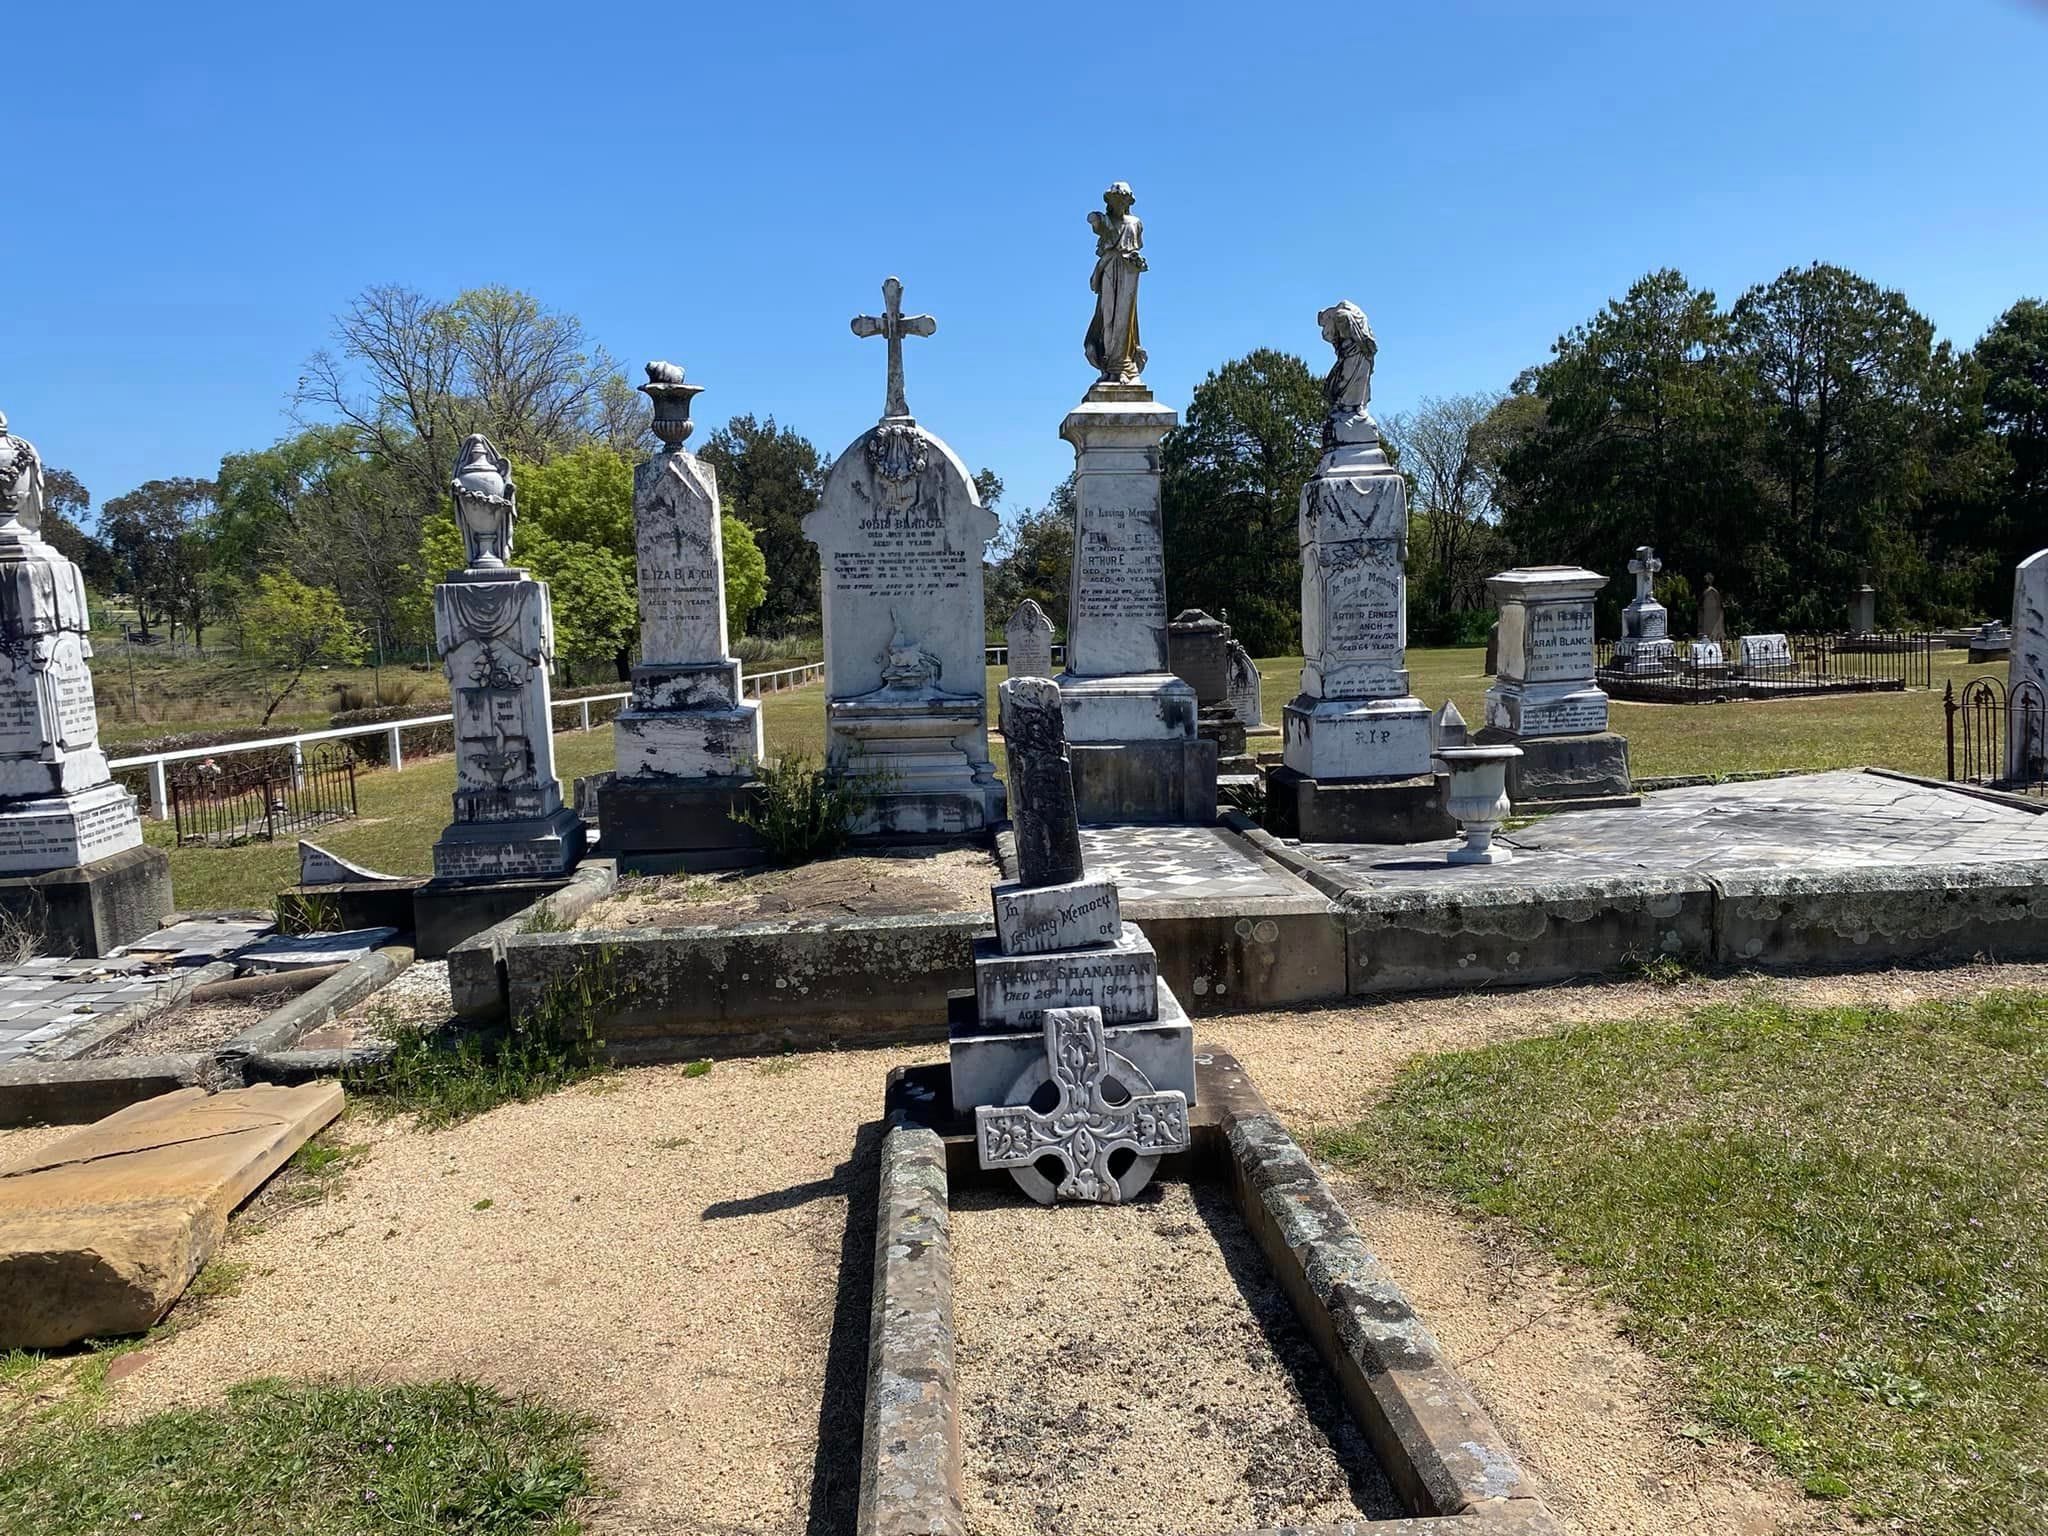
(893, 325)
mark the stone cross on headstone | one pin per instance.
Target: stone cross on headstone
(1644, 568)
(893, 325)
(1084, 1129)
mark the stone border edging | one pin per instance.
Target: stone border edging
(477, 982)
(1440, 1449)
(290, 1021)
(77, 1092)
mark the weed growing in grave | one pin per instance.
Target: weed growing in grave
(307, 912)
(1832, 1222)
(220, 1278)
(542, 919)
(318, 1460)
(697, 1068)
(21, 933)
(316, 1169)
(446, 1076)
(1657, 970)
(803, 810)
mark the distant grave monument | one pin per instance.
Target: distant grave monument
(73, 866)
(1131, 723)
(1713, 615)
(1767, 653)
(1355, 743)
(688, 742)
(900, 535)
(1198, 648)
(1247, 701)
(1863, 606)
(2026, 670)
(1545, 699)
(1070, 1046)
(1027, 640)
(496, 636)
(1645, 643)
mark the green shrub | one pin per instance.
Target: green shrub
(805, 811)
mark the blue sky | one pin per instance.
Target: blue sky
(194, 191)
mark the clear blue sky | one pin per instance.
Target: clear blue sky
(194, 190)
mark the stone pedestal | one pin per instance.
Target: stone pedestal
(496, 635)
(1117, 690)
(1545, 698)
(900, 533)
(68, 832)
(689, 731)
(1354, 722)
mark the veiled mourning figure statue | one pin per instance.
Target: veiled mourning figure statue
(485, 502)
(1112, 343)
(1348, 385)
(21, 487)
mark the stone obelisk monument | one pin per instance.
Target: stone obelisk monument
(72, 861)
(1131, 724)
(689, 742)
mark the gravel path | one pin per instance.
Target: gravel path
(679, 1256)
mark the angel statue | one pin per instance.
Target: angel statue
(1348, 386)
(1112, 343)
(21, 485)
(485, 502)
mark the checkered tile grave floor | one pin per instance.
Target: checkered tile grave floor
(1841, 820)
(1164, 863)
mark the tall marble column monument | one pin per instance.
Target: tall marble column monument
(900, 534)
(688, 743)
(1355, 742)
(496, 636)
(1131, 723)
(72, 861)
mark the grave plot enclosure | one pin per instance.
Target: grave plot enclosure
(1432, 1463)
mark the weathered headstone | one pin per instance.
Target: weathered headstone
(495, 632)
(1707, 654)
(1199, 648)
(60, 808)
(1131, 724)
(1246, 700)
(1061, 943)
(900, 534)
(1766, 653)
(1863, 607)
(688, 742)
(1545, 698)
(1645, 643)
(1713, 616)
(1028, 640)
(2026, 668)
(1355, 725)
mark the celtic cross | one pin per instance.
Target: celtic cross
(893, 325)
(1083, 1130)
(1644, 568)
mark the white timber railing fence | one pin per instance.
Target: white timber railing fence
(393, 731)
(999, 656)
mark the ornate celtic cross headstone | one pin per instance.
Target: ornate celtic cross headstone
(893, 325)
(1083, 1130)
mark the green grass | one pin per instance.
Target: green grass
(314, 1460)
(1833, 1223)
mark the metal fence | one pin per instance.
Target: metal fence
(1997, 739)
(1695, 672)
(215, 807)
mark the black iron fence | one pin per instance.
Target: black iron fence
(1997, 738)
(214, 806)
(1697, 671)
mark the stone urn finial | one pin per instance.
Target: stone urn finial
(485, 502)
(671, 397)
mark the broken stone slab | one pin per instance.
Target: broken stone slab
(298, 952)
(1035, 920)
(319, 867)
(102, 1230)
(198, 940)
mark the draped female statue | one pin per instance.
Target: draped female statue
(1112, 346)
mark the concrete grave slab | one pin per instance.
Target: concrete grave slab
(298, 952)
(102, 1230)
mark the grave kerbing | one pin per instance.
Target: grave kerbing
(72, 861)
(1070, 1046)
(496, 636)
(900, 533)
(688, 742)
(1130, 721)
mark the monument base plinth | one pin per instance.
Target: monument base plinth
(57, 832)
(1338, 739)
(446, 912)
(657, 826)
(927, 786)
(1150, 781)
(1138, 706)
(92, 909)
(1556, 769)
(531, 848)
(1406, 810)
(698, 743)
